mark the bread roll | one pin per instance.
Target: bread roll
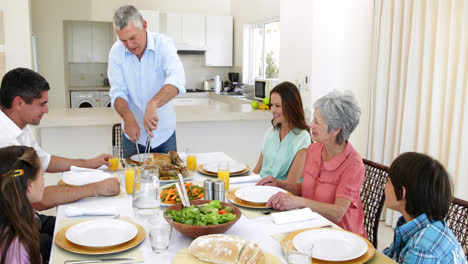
(227, 249)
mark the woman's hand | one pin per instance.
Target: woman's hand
(269, 181)
(282, 202)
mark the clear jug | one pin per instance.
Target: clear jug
(146, 193)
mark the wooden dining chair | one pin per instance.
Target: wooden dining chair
(457, 220)
(117, 140)
(373, 197)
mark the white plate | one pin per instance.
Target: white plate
(170, 184)
(234, 166)
(84, 177)
(143, 157)
(101, 232)
(331, 244)
(257, 194)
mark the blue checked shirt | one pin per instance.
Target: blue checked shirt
(138, 81)
(420, 241)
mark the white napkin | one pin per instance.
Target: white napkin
(293, 216)
(78, 178)
(80, 169)
(78, 211)
(250, 178)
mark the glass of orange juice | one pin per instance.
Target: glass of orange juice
(223, 172)
(191, 160)
(129, 178)
(114, 161)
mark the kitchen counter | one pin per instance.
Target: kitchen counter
(210, 122)
(89, 88)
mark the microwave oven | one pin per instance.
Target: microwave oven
(263, 87)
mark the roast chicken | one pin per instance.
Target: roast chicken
(169, 165)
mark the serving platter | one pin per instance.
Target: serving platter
(63, 242)
(244, 172)
(362, 259)
(101, 232)
(170, 184)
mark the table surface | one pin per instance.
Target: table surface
(258, 230)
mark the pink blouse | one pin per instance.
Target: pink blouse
(342, 177)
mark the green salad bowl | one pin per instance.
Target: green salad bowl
(194, 231)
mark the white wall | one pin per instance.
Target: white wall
(17, 35)
(47, 18)
(247, 12)
(330, 42)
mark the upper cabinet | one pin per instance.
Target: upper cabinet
(187, 31)
(219, 41)
(89, 42)
(152, 19)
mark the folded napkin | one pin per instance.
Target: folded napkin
(251, 178)
(78, 211)
(293, 216)
(78, 178)
(80, 169)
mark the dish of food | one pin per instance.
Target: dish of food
(169, 165)
(143, 156)
(211, 213)
(170, 196)
(229, 249)
(101, 232)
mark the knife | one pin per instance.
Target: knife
(97, 260)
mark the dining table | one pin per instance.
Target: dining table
(261, 230)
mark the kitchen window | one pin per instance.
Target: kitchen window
(261, 50)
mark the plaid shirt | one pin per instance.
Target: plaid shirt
(420, 241)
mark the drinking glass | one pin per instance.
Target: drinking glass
(191, 159)
(160, 232)
(130, 170)
(114, 161)
(223, 173)
(293, 256)
(146, 200)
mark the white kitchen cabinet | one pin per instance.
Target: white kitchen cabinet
(152, 19)
(187, 31)
(219, 41)
(89, 41)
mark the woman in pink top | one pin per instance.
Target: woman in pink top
(334, 171)
(21, 184)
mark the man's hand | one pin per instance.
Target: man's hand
(132, 129)
(151, 118)
(98, 161)
(107, 187)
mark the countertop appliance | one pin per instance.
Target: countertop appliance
(104, 99)
(84, 99)
(263, 87)
(234, 80)
(208, 85)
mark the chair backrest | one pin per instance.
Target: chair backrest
(457, 220)
(117, 140)
(373, 197)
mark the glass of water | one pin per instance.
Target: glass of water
(160, 232)
(146, 195)
(293, 256)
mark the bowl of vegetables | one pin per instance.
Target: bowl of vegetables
(203, 217)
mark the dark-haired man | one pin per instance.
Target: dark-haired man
(23, 102)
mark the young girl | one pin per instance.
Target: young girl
(21, 184)
(286, 142)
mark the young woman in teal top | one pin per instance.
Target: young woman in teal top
(285, 143)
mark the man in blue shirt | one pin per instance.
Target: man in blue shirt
(145, 74)
(419, 188)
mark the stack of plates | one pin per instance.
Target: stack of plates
(253, 196)
(100, 236)
(235, 168)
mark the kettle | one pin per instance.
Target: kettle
(208, 85)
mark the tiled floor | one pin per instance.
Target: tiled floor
(385, 236)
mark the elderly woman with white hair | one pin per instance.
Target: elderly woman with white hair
(334, 171)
